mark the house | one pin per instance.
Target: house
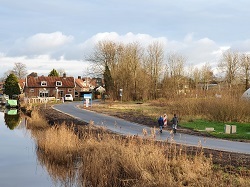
(82, 86)
(42, 86)
(21, 83)
(96, 82)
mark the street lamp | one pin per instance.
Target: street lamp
(44, 95)
(56, 93)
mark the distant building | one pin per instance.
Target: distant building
(43, 86)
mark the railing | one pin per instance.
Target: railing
(39, 99)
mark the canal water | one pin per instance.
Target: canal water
(19, 163)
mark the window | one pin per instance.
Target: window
(43, 94)
(69, 90)
(31, 90)
(58, 83)
(44, 83)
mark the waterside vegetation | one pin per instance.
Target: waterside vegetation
(88, 156)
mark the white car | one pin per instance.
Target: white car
(68, 97)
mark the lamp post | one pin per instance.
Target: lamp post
(56, 93)
(45, 100)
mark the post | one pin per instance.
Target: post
(44, 97)
(56, 93)
(121, 93)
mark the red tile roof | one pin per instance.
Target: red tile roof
(80, 83)
(35, 82)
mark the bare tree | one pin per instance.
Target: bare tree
(196, 76)
(176, 67)
(20, 70)
(230, 66)
(154, 65)
(245, 68)
(206, 75)
(105, 56)
(60, 71)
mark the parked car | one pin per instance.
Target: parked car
(68, 97)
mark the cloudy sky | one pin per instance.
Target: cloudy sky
(47, 34)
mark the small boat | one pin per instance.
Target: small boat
(11, 111)
(12, 103)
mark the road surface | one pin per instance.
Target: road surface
(124, 127)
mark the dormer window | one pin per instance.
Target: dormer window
(58, 83)
(44, 83)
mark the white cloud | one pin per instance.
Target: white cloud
(43, 64)
(41, 43)
(44, 51)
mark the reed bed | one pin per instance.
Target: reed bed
(225, 109)
(95, 157)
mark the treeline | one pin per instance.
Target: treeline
(145, 73)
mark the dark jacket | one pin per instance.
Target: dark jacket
(175, 120)
(160, 121)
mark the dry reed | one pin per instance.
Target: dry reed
(102, 159)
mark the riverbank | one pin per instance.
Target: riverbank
(101, 159)
(227, 160)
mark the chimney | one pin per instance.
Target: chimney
(79, 77)
(64, 75)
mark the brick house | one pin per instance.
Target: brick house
(82, 86)
(42, 86)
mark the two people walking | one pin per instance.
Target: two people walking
(162, 122)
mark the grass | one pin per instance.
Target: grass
(204, 112)
(242, 132)
(94, 157)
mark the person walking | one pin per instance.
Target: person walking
(161, 123)
(175, 122)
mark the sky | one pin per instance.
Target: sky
(60, 34)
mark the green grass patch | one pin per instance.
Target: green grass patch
(242, 132)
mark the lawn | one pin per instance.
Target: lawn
(242, 132)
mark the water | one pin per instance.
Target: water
(19, 164)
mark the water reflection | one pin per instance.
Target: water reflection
(12, 118)
(23, 160)
(61, 174)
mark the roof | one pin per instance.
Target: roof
(21, 83)
(80, 83)
(35, 82)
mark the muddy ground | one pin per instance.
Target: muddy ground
(231, 162)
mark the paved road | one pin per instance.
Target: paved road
(128, 128)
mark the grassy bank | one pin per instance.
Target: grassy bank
(93, 157)
(243, 129)
(195, 113)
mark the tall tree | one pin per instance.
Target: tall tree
(53, 73)
(176, 67)
(108, 81)
(230, 65)
(20, 70)
(105, 55)
(245, 68)
(206, 74)
(11, 85)
(154, 62)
